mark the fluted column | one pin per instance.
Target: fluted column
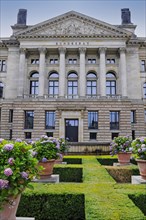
(102, 67)
(82, 78)
(21, 72)
(62, 86)
(42, 71)
(123, 73)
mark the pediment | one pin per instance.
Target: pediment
(72, 24)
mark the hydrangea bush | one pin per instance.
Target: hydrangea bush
(17, 168)
(139, 148)
(120, 144)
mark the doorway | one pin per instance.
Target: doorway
(71, 130)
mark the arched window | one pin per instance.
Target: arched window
(110, 84)
(34, 83)
(72, 84)
(91, 84)
(144, 90)
(1, 89)
(53, 85)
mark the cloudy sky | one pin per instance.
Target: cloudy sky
(40, 10)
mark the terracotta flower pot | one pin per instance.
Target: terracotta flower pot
(142, 168)
(48, 169)
(10, 209)
(124, 158)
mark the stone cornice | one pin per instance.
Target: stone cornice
(11, 42)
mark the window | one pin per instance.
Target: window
(0, 114)
(29, 117)
(34, 61)
(91, 84)
(34, 84)
(145, 115)
(114, 120)
(93, 136)
(49, 134)
(72, 85)
(114, 135)
(143, 66)
(110, 84)
(92, 120)
(50, 120)
(133, 116)
(133, 134)
(91, 61)
(2, 65)
(11, 134)
(144, 90)
(54, 61)
(53, 84)
(10, 115)
(1, 89)
(72, 61)
(27, 135)
(110, 61)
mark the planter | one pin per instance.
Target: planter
(142, 168)
(48, 169)
(124, 158)
(60, 160)
(10, 209)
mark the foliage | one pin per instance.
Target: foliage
(70, 160)
(121, 144)
(140, 201)
(63, 145)
(17, 168)
(139, 148)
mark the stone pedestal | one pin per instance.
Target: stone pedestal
(121, 165)
(25, 218)
(52, 179)
(137, 180)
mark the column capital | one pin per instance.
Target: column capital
(23, 50)
(42, 50)
(82, 49)
(122, 50)
(102, 49)
(62, 50)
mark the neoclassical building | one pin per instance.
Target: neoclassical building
(73, 76)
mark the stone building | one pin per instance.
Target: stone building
(73, 76)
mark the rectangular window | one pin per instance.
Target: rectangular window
(145, 115)
(93, 136)
(72, 61)
(29, 118)
(92, 120)
(143, 66)
(0, 114)
(50, 120)
(2, 65)
(54, 61)
(27, 135)
(114, 135)
(10, 115)
(114, 120)
(91, 61)
(34, 61)
(91, 88)
(49, 134)
(133, 116)
(11, 134)
(110, 61)
(133, 134)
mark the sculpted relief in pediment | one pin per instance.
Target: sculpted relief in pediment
(72, 27)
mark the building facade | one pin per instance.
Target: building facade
(73, 76)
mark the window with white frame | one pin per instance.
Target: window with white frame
(34, 83)
(91, 84)
(53, 84)
(72, 61)
(1, 89)
(110, 84)
(143, 66)
(53, 61)
(72, 85)
(91, 61)
(110, 61)
(144, 90)
(34, 61)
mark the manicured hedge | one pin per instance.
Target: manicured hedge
(72, 160)
(140, 201)
(69, 174)
(52, 206)
(107, 161)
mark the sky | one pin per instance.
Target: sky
(38, 11)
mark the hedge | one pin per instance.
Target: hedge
(72, 160)
(140, 201)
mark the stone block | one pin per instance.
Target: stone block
(24, 218)
(137, 180)
(54, 178)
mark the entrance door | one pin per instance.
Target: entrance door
(71, 130)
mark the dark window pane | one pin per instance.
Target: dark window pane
(50, 120)
(93, 136)
(27, 135)
(29, 117)
(114, 120)
(93, 120)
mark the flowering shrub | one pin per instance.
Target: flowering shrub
(63, 145)
(17, 168)
(120, 144)
(46, 148)
(139, 147)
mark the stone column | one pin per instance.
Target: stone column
(82, 77)
(62, 77)
(123, 73)
(102, 67)
(42, 71)
(21, 72)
